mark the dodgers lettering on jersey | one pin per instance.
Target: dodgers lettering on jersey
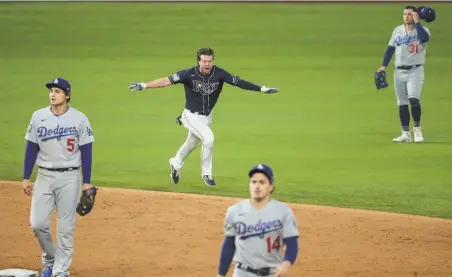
(57, 133)
(202, 91)
(59, 137)
(408, 48)
(259, 234)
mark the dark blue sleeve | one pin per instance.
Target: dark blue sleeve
(291, 249)
(31, 153)
(179, 77)
(235, 80)
(388, 55)
(422, 33)
(86, 152)
(227, 254)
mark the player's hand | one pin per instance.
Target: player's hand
(27, 187)
(416, 18)
(283, 269)
(137, 86)
(86, 186)
(382, 68)
(267, 90)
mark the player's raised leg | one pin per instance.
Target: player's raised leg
(414, 86)
(42, 204)
(67, 193)
(199, 125)
(177, 162)
(401, 92)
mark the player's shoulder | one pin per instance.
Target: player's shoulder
(77, 113)
(239, 204)
(183, 72)
(41, 112)
(426, 28)
(188, 70)
(280, 205)
(399, 28)
(219, 69)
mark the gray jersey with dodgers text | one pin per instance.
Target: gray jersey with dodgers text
(59, 137)
(409, 50)
(259, 233)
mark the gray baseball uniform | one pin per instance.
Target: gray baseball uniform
(259, 234)
(58, 138)
(409, 51)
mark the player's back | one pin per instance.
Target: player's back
(409, 50)
(259, 233)
(58, 137)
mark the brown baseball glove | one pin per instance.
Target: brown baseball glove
(86, 203)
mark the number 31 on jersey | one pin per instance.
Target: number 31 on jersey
(414, 48)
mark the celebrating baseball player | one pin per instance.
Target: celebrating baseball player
(203, 84)
(256, 230)
(59, 140)
(409, 42)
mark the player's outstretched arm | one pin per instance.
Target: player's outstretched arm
(246, 85)
(227, 254)
(158, 83)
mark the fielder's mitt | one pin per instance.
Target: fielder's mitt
(86, 201)
(380, 79)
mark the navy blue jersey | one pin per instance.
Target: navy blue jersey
(202, 90)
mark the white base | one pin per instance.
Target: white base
(15, 272)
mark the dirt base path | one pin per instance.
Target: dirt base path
(145, 233)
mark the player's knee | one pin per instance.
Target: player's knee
(65, 228)
(208, 141)
(403, 108)
(193, 142)
(38, 224)
(414, 102)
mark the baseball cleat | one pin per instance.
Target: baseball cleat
(418, 134)
(174, 174)
(46, 272)
(405, 137)
(209, 180)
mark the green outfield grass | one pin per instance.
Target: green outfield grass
(327, 133)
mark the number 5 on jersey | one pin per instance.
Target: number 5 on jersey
(70, 144)
(273, 245)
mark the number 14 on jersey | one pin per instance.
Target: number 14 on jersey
(273, 245)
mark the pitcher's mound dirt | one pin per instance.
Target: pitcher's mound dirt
(144, 233)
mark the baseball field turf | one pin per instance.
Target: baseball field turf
(327, 133)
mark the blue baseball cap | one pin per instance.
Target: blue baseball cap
(263, 168)
(60, 83)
